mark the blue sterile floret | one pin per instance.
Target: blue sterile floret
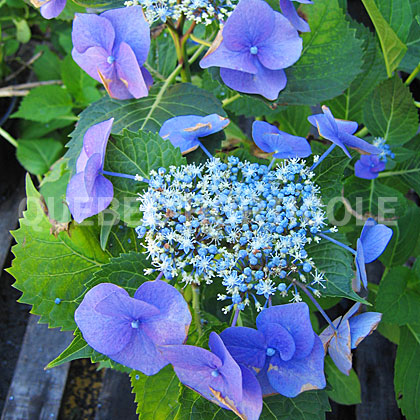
(237, 222)
(386, 151)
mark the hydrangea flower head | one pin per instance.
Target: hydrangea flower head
(253, 49)
(340, 132)
(130, 329)
(350, 332)
(290, 12)
(368, 166)
(285, 353)
(50, 8)
(89, 192)
(283, 145)
(236, 222)
(112, 48)
(185, 131)
(370, 246)
(385, 149)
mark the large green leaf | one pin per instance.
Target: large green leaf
(147, 114)
(37, 155)
(336, 263)
(330, 60)
(405, 238)
(345, 388)
(44, 103)
(407, 372)
(293, 120)
(310, 405)
(349, 105)
(373, 198)
(392, 47)
(162, 55)
(156, 396)
(412, 57)
(398, 296)
(398, 14)
(390, 112)
(136, 153)
(47, 267)
(126, 271)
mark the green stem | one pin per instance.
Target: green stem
(228, 101)
(362, 132)
(181, 51)
(8, 137)
(392, 173)
(200, 41)
(412, 75)
(417, 104)
(196, 308)
(372, 187)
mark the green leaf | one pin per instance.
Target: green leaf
(136, 153)
(126, 271)
(398, 14)
(146, 114)
(37, 155)
(53, 189)
(293, 120)
(349, 105)
(329, 174)
(412, 57)
(390, 112)
(107, 219)
(156, 396)
(46, 67)
(44, 104)
(397, 300)
(336, 263)
(392, 47)
(405, 238)
(345, 389)
(100, 4)
(330, 60)
(374, 199)
(23, 32)
(78, 349)
(123, 239)
(162, 56)
(78, 82)
(47, 267)
(407, 372)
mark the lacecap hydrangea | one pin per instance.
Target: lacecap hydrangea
(236, 221)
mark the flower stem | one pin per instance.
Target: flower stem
(124, 176)
(180, 48)
(228, 101)
(8, 137)
(334, 241)
(271, 163)
(196, 307)
(413, 75)
(362, 132)
(200, 41)
(326, 153)
(235, 318)
(318, 306)
(209, 155)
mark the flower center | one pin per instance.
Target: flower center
(215, 373)
(135, 324)
(110, 59)
(270, 352)
(253, 50)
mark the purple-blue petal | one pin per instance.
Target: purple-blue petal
(52, 8)
(219, 56)
(131, 28)
(129, 72)
(265, 82)
(294, 317)
(339, 348)
(90, 30)
(375, 238)
(292, 15)
(360, 266)
(356, 143)
(362, 169)
(106, 334)
(245, 28)
(172, 324)
(283, 48)
(345, 126)
(265, 385)
(298, 375)
(354, 309)
(252, 403)
(246, 345)
(279, 339)
(362, 325)
(93, 61)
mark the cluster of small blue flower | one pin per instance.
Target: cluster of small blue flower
(199, 11)
(238, 221)
(386, 152)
